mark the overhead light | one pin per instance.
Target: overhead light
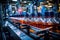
(25, 2)
(14, 0)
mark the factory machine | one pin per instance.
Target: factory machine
(37, 28)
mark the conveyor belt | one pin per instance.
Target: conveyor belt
(19, 32)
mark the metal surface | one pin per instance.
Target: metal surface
(18, 33)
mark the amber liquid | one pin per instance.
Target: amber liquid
(35, 24)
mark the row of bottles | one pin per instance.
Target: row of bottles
(45, 18)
